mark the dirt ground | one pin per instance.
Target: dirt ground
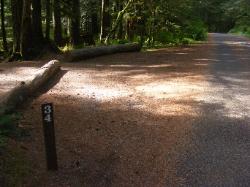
(12, 74)
(167, 117)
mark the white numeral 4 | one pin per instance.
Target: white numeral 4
(48, 118)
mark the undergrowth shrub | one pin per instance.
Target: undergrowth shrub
(195, 30)
(241, 29)
(165, 37)
(9, 128)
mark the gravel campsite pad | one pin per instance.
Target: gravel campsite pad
(167, 117)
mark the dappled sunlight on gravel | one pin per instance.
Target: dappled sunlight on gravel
(10, 77)
(145, 92)
(175, 89)
(236, 105)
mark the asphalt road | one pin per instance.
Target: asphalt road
(169, 117)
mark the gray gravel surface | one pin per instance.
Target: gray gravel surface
(219, 153)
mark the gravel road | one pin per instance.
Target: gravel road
(167, 117)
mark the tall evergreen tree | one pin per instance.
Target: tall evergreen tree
(17, 13)
(26, 34)
(5, 45)
(37, 22)
(75, 23)
(48, 19)
(58, 22)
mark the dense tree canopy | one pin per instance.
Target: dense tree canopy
(90, 22)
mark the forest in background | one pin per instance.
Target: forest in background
(31, 27)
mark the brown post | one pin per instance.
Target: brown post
(49, 136)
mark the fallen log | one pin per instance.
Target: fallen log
(13, 98)
(21, 92)
(43, 75)
(82, 54)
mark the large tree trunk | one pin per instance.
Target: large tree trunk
(37, 23)
(5, 45)
(58, 24)
(105, 20)
(48, 19)
(17, 9)
(75, 23)
(26, 34)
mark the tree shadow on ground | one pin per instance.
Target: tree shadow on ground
(104, 144)
(218, 153)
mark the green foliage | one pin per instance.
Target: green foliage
(9, 128)
(187, 41)
(165, 37)
(66, 48)
(189, 32)
(195, 30)
(122, 41)
(241, 30)
(8, 124)
(119, 41)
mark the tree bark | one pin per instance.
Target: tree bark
(58, 24)
(26, 34)
(5, 44)
(105, 20)
(48, 19)
(17, 12)
(75, 23)
(37, 22)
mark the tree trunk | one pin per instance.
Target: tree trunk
(58, 24)
(48, 19)
(5, 45)
(26, 34)
(120, 32)
(105, 20)
(75, 23)
(118, 20)
(94, 21)
(37, 22)
(17, 9)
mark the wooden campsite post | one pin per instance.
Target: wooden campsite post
(49, 136)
